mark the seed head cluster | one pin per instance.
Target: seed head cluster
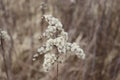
(56, 37)
(49, 60)
(4, 35)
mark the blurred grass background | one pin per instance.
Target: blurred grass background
(93, 24)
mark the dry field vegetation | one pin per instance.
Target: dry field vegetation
(93, 24)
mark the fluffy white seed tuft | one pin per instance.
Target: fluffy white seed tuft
(4, 35)
(49, 60)
(56, 36)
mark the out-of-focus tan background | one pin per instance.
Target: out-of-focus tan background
(93, 24)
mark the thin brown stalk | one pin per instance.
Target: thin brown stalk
(4, 59)
(57, 69)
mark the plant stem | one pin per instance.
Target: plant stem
(57, 68)
(4, 59)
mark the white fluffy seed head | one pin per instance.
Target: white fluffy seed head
(41, 50)
(49, 60)
(56, 36)
(53, 27)
(4, 35)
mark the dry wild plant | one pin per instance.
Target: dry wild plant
(4, 35)
(56, 39)
(4, 41)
